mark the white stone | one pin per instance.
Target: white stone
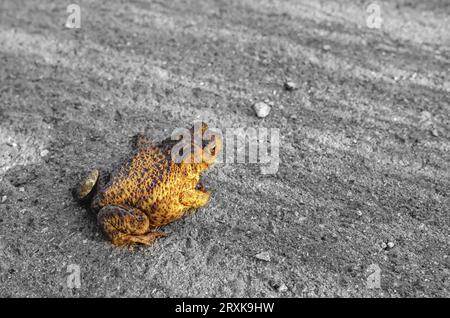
(264, 256)
(44, 153)
(290, 86)
(283, 288)
(261, 109)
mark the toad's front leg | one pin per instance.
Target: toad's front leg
(195, 198)
(126, 226)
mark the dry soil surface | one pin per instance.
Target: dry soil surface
(364, 174)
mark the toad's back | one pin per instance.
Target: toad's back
(149, 175)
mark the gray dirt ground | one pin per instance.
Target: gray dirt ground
(364, 156)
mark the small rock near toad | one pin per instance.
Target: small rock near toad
(262, 109)
(290, 86)
(264, 256)
(283, 288)
(44, 153)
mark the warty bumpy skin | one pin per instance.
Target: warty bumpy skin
(149, 189)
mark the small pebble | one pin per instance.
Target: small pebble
(21, 189)
(326, 47)
(383, 245)
(425, 115)
(434, 133)
(283, 288)
(301, 219)
(4, 198)
(264, 256)
(261, 109)
(290, 86)
(359, 213)
(390, 244)
(44, 153)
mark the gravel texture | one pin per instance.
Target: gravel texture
(364, 145)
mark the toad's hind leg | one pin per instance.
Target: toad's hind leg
(126, 226)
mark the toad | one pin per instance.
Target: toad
(152, 188)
